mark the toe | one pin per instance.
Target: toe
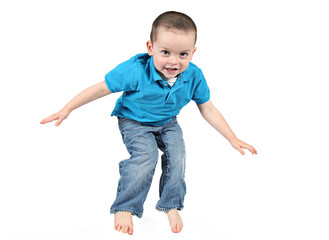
(118, 228)
(130, 231)
(124, 229)
(174, 229)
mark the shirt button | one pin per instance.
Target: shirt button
(166, 85)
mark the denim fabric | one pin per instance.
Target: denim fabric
(136, 173)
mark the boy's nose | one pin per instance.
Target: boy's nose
(173, 60)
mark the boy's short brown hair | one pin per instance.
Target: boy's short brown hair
(173, 21)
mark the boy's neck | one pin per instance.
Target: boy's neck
(164, 77)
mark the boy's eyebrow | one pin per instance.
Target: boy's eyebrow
(170, 49)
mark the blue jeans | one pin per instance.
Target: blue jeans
(136, 173)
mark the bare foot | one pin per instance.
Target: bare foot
(175, 221)
(123, 222)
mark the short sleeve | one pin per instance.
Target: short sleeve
(201, 93)
(123, 77)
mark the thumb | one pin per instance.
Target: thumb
(60, 120)
(242, 152)
(62, 116)
(239, 148)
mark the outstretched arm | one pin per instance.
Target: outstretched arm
(217, 121)
(90, 94)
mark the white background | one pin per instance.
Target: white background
(266, 63)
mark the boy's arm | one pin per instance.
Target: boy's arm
(216, 120)
(90, 94)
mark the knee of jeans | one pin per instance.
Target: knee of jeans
(178, 156)
(140, 168)
(180, 168)
(143, 161)
(144, 153)
(180, 148)
(176, 166)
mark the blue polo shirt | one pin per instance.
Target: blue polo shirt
(147, 98)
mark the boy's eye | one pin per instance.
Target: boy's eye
(183, 54)
(165, 52)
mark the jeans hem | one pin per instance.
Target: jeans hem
(163, 209)
(139, 215)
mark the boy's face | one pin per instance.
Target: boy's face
(172, 51)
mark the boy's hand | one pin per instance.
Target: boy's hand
(90, 94)
(239, 145)
(60, 116)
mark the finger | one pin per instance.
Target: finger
(247, 146)
(50, 119)
(43, 121)
(255, 151)
(252, 149)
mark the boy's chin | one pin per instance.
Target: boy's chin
(167, 76)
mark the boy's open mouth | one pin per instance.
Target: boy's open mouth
(171, 69)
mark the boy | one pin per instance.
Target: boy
(155, 87)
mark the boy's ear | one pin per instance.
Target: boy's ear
(149, 48)
(193, 52)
